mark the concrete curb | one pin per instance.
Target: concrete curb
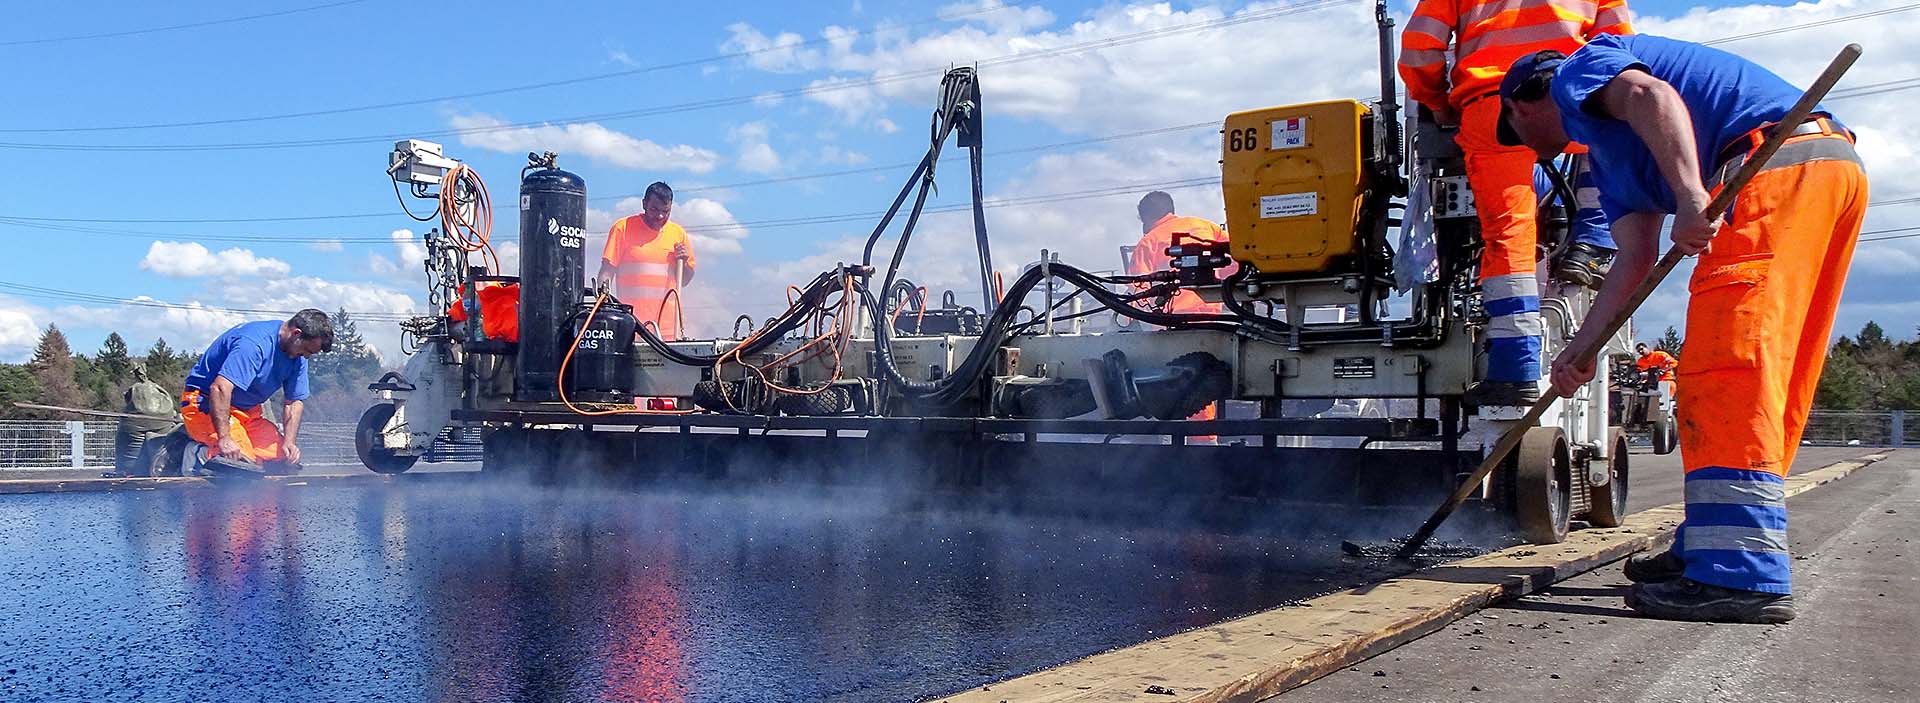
(1265, 654)
(111, 485)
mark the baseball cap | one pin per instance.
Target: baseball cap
(1517, 76)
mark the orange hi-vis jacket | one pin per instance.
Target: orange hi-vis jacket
(1491, 35)
(1151, 255)
(642, 260)
(1656, 359)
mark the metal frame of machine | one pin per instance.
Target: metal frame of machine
(1312, 191)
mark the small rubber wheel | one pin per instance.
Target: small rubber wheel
(373, 451)
(1540, 481)
(1609, 502)
(1665, 438)
(164, 455)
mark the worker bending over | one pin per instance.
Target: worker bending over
(643, 254)
(1487, 35)
(243, 368)
(1158, 224)
(1667, 122)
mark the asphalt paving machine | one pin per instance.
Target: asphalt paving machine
(860, 379)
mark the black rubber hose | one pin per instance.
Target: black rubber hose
(980, 232)
(866, 257)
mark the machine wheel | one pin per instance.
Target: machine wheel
(1665, 435)
(373, 452)
(1609, 502)
(1540, 485)
(162, 456)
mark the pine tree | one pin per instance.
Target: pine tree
(1670, 341)
(166, 367)
(113, 361)
(338, 379)
(53, 371)
(17, 385)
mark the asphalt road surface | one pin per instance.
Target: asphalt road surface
(480, 590)
(1857, 637)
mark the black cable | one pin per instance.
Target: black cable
(409, 211)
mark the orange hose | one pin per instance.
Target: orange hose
(470, 232)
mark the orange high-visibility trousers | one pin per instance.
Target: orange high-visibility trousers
(1762, 304)
(257, 436)
(1501, 178)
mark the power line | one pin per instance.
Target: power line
(773, 223)
(1889, 234)
(819, 87)
(68, 296)
(1810, 25)
(717, 58)
(24, 220)
(169, 28)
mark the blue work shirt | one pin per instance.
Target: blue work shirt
(249, 355)
(1727, 96)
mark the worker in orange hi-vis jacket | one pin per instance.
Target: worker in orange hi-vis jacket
(1486, 37)
(1158, 225)
(642, 255)
(1650, 359)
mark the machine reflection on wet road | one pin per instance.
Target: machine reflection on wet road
(480, 591)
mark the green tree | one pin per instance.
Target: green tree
(166, 367)
(17, 385)
(1843, 385)
(1670, 341)
(338, 379)
(113, 361)
(1872, 338)
(53, 371)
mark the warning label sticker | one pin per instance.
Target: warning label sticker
(1290, 133)
(1289, 205)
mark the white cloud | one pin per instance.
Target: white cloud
(192, 260)
(756, 155)
(19, 329)
(328, 246)
(780, 53)
(1174, 79)
(833, 154)
(589, 139)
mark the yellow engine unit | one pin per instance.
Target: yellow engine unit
(1293, 181)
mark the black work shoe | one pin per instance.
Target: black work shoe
(1654, 567)
(1495, 393)
(1686, 599)
(1584, 264)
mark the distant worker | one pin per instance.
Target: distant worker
(1651, 359)
(158, 412)
(1667, 122)
(643, 252)
(1487, 35)
(241, 370)
(1158, 225)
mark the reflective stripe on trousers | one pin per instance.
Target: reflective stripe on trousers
(1513, 327)
(1735, 532)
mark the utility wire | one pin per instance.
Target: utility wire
(816, 88)
(68, 296)
(776, 223)
(170, 28)
(516, 88)
(1810, 25)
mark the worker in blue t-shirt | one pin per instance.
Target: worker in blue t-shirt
(239, 372)
(1667, 122)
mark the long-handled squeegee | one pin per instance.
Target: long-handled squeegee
(1715, 208)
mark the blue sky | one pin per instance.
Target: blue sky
(367, 53)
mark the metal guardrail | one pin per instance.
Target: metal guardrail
(56, 444)
(1869, 429)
